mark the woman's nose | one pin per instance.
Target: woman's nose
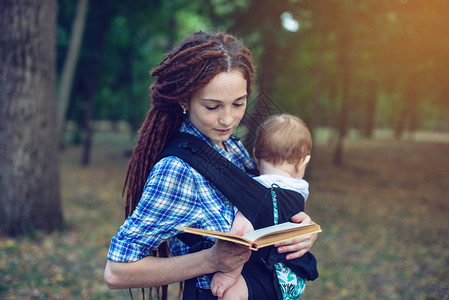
(226, 117)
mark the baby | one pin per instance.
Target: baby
(282, 152)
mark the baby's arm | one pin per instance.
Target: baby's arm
(223, 281)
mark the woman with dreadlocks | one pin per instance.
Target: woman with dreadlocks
(201, 89)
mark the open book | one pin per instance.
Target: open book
(262, 237)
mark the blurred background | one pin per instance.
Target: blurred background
(368, 76)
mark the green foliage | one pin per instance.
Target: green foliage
(390, 42)
(124, 40)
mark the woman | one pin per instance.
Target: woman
(201, 88)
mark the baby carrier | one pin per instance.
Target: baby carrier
(252, 198)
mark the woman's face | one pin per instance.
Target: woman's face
(217, 108)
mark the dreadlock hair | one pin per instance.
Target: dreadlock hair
(186, 69)
(183, 71)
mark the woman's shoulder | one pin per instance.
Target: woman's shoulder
(171, 171)
(171, 164)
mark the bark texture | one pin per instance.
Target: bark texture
(29, 166)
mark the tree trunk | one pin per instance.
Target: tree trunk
(88, 130)
(68, 71)
(370, 112)
(263, 105)
(316, 106)
(400, 124)
(29, 174)
(413, 104)
(447, 120)
(133, 109)
(93, 66)
(318, 74)
(408, 118)
(344, 67)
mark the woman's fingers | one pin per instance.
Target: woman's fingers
(226, 256)
(302, 217)
(297, 247)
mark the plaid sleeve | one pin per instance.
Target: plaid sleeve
(168, 200)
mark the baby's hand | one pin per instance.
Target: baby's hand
(241, 224)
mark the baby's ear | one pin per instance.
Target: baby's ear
(256, 160)
(254, 153)
(306, 160)
(301, 165)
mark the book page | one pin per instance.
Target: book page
(285, 235)
(287, 226)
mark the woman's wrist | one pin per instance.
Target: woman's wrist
(210, 259)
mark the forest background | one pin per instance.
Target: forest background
(369, 77)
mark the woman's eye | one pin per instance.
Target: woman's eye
(238, 104)
(211, 107)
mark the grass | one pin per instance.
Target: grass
(384, 215)
(385, 220)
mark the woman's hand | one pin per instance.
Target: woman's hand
(225, 256)
(298, 246)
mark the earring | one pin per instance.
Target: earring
(184, 110)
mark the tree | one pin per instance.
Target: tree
(344, 44)
(71, 59)
(29, 174)
(100, 17)
(260, 21)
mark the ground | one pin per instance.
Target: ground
(384, 216)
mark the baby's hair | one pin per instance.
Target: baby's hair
(283, 138)
(183, 71)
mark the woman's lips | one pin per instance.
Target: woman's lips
(223, 131)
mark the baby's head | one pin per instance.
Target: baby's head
(284, 139)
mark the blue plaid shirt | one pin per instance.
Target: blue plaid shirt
(175, 194)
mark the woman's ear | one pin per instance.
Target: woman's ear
(184, 107)
(184, 104)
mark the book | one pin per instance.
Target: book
(262, 237)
